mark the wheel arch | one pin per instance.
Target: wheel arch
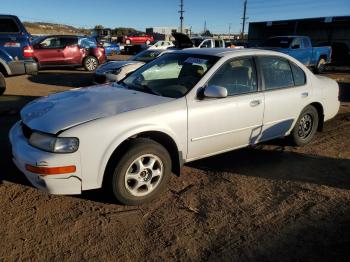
(4, 69)
(320, 112)
(159, 136)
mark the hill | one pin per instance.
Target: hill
(41, 28)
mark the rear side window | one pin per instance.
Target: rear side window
(68, 41)
(298, 75)
(277, 72)
(8, 25)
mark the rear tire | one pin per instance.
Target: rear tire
(142, 172)
(90, 63)
(2, 84)
(305, 127)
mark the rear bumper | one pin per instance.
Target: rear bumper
(23, 153)
(23, 67)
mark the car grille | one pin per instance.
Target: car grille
(27, 131)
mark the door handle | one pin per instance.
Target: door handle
(255, 103)
(305, 94)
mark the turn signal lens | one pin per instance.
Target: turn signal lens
(51, 170)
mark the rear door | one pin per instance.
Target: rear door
(286, 93)
(49, 51)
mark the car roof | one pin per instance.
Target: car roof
(221, 52)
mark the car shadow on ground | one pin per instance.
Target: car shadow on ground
(70, 78)
(280, 165)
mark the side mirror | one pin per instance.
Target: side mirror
(215, 91)
(297, 46)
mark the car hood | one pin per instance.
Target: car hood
(114, 65)
(61, 111)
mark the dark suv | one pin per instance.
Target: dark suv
(68, 50)
(16, 52)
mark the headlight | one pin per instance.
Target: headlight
(54, 144)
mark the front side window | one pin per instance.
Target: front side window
(277, 72)
(296, 43)
(238, 76)
(51, 42)
(170, 75)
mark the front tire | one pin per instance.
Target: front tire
(2, 84)
(90, 63)
(142, 173)
(305, 127)
(321, 66)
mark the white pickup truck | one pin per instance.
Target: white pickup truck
(132, 135)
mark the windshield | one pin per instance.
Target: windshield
(170, 75)
(283, 42)
(146, 56)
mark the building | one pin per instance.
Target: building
(164, 32)
(334, 31)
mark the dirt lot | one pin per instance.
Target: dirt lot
(272, 202)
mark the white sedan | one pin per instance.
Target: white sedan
(131, 136)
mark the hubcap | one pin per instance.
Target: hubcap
(305, 126)
(91, 64)
(144, 175)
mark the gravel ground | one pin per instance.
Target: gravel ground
(272, 202)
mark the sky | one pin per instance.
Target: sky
(141, 14)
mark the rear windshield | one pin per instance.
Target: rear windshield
(283, 42)
(8, 25)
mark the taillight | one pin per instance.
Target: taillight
(28, 51)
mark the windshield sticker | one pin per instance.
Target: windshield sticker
(194, 60)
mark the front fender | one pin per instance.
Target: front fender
(130, 133)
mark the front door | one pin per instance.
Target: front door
(49, 51)
(220, 124)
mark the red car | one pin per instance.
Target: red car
(138, 39)
(64, 50)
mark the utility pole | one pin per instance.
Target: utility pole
(244, 18)
(181, 15)
(229, 30)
